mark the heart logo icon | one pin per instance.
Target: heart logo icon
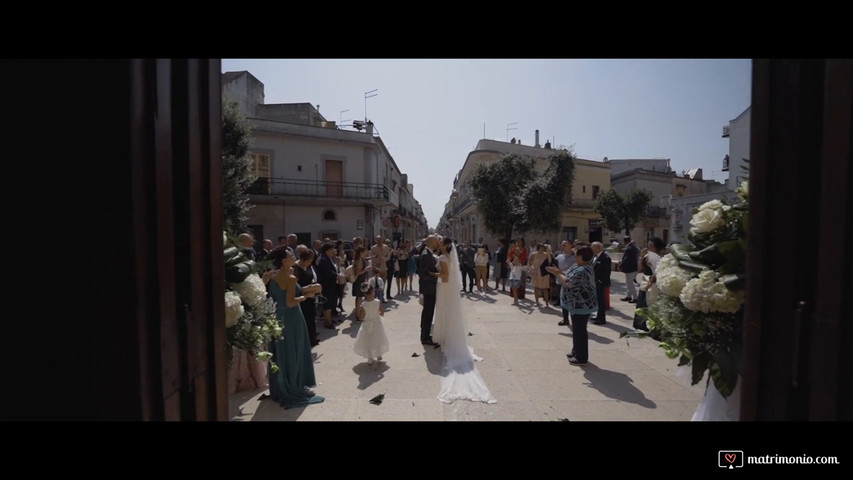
(730, 457)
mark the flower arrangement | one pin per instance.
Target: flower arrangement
(250, 319)
(696, 303)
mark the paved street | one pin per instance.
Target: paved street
(524, 365)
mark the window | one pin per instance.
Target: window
(584, 189)
(261, 169)
(594, 192)
(329, 215)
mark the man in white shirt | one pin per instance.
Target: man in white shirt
(564, 261)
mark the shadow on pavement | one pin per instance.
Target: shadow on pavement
(433, 358)
(616, 385)
(370, 374)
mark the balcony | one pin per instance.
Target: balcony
(655, 211)
(462, 204)
(314, 189)
(726, 131)
(583, 203)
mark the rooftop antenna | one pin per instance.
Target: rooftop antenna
(508, 129)
(342, 116)
(366, 96)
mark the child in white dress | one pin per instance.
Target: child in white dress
(371, 341)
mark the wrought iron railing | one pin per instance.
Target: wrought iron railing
(309, 188)
(656, 211)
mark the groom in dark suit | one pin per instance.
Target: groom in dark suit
(427, 281)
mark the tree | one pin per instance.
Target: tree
(237, 167)
(623, 212)
(512, 197)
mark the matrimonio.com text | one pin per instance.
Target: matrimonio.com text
(736, 459)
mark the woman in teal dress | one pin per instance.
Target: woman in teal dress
(292, 353)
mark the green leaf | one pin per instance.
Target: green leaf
(701, 363)
(724, 372)
(711, 256)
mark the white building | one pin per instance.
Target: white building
(689, 194)
(317, 180)
(737, 131)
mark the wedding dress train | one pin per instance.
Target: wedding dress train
(460, 379)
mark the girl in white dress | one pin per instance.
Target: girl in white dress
(371, 341)
(460, 378)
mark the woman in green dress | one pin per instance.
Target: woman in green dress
(292, 353)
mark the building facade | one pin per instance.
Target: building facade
(316, 179)
(738, 133)
(655, 176)
(462, 220)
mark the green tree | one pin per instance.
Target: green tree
(237, 167)
(512, 197)
(623, 212)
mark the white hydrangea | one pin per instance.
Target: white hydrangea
(233, 308)
(252, 290)
(671, 278)
(706, 294)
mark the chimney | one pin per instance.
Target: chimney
(537, 139)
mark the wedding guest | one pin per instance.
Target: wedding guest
(371, 341)
(327, 273)
(306, 276)
(501, 267)
(629, 265)
(247, 245)
(541, 283)
(402, 254)
(481, 266)
(391, 267)
(517, 256)
(601, 266)
(361, 269)
(565, 260)
(342, 263)
(578, 297)
(413, 264)
(289, 384)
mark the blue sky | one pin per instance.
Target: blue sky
(431, 113)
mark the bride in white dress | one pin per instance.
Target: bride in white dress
(460, 378)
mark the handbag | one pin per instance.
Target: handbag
(515, 272)
(639, 320)
(350, 274)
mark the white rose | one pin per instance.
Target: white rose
(252, 290)
(707, 220)
(233, 308)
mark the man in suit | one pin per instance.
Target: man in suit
(427, 282)
(629, 266)
(601, 266)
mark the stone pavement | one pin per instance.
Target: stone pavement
(524, 366)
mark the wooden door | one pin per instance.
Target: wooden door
(334, 178)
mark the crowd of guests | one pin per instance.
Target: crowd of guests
(309, 283)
